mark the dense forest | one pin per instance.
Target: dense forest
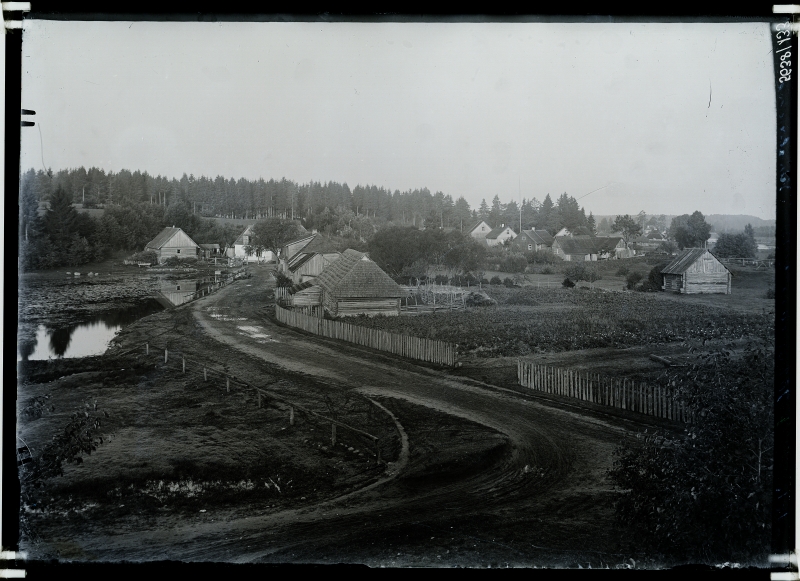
(135, 206)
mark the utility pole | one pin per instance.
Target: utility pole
(519, 184)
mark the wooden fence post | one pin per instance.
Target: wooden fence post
(205, 374)
(147, 348)
(183, 361)
(166, 355)
(291, 415)
(228, 384)
(333, 434)
(259, 398)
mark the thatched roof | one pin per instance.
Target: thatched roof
(684, 260)
(165, 236)
(354, 275)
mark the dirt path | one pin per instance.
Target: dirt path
(540, 497)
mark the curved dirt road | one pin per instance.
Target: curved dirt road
(541, 499)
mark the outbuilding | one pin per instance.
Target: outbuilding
(173, 242)
(695, 271)
(354, 285)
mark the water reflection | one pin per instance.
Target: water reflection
(174, 293)
(90, 337)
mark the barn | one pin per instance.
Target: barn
(694, 271)
(355, 285)
(312, 259)
(173, 242)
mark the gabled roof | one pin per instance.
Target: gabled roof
(497, 231)
(685, 259)
(246, 232)
(321, 245)
(476, 224)
(300, 286)
(578, 245)
(540, 236)
(165, 236)
(306, 238)
(606, 243)
(353, 275)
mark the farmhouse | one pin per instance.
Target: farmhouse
(479, 230)
(696, 271)
(579, 231)
(500, 235)
(532, 240)
(611, 247)
(355, 285)
(312, 259)
(173, 242)
(240, 245)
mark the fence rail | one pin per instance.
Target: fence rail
(766, 263)
(194, 368)
(635, 396)
(429, 350)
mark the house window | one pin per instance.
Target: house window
(178, 287)
(179, 250)
(530, 246)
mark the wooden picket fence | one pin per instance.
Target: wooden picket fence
(635, 396)
(429, 350)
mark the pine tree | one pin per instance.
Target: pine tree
(61, 219)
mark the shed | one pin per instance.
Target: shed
(209, 250)
(355, 285)
(696, 270)
(173, 242)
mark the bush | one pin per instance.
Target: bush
(484, 280)
(579, 271)
(507, 281)
(546, 270)
(513, 262)
(441, 279)
(567, 283)
(541, 257)
(146, 256)
(495, 280)
(623, 271)
(633, 279)
(281, 280)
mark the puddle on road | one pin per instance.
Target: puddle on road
(256, 332)
(212, 312)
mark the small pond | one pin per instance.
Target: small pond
(87, 338)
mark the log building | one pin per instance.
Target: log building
(696, 271)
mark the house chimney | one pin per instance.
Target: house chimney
(502, 225)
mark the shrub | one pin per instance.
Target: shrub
(633, 279)
(479, 299)
(281, 280)
(623, 271)
(541, 257)
(507, 281)
(513, 262)
(146, 256)
(441, 279)
(579, 271)
(546, 270)
(484, 280)
(495, 280)
(567, 283)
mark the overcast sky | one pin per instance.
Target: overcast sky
(675, 117)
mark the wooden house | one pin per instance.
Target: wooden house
(694, 271)
(355, 285)
(529, 240)
(479, 230)
(578, 248)
(176, 293)
(579, 231)
(173, 242)
(312, 259)
(499, 235)
(611, 247)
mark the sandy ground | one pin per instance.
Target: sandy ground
(476, 475)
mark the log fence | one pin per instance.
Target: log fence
(419, 348)
(635, 396)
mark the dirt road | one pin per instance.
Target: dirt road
(536, 493)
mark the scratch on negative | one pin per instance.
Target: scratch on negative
(709, 95)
